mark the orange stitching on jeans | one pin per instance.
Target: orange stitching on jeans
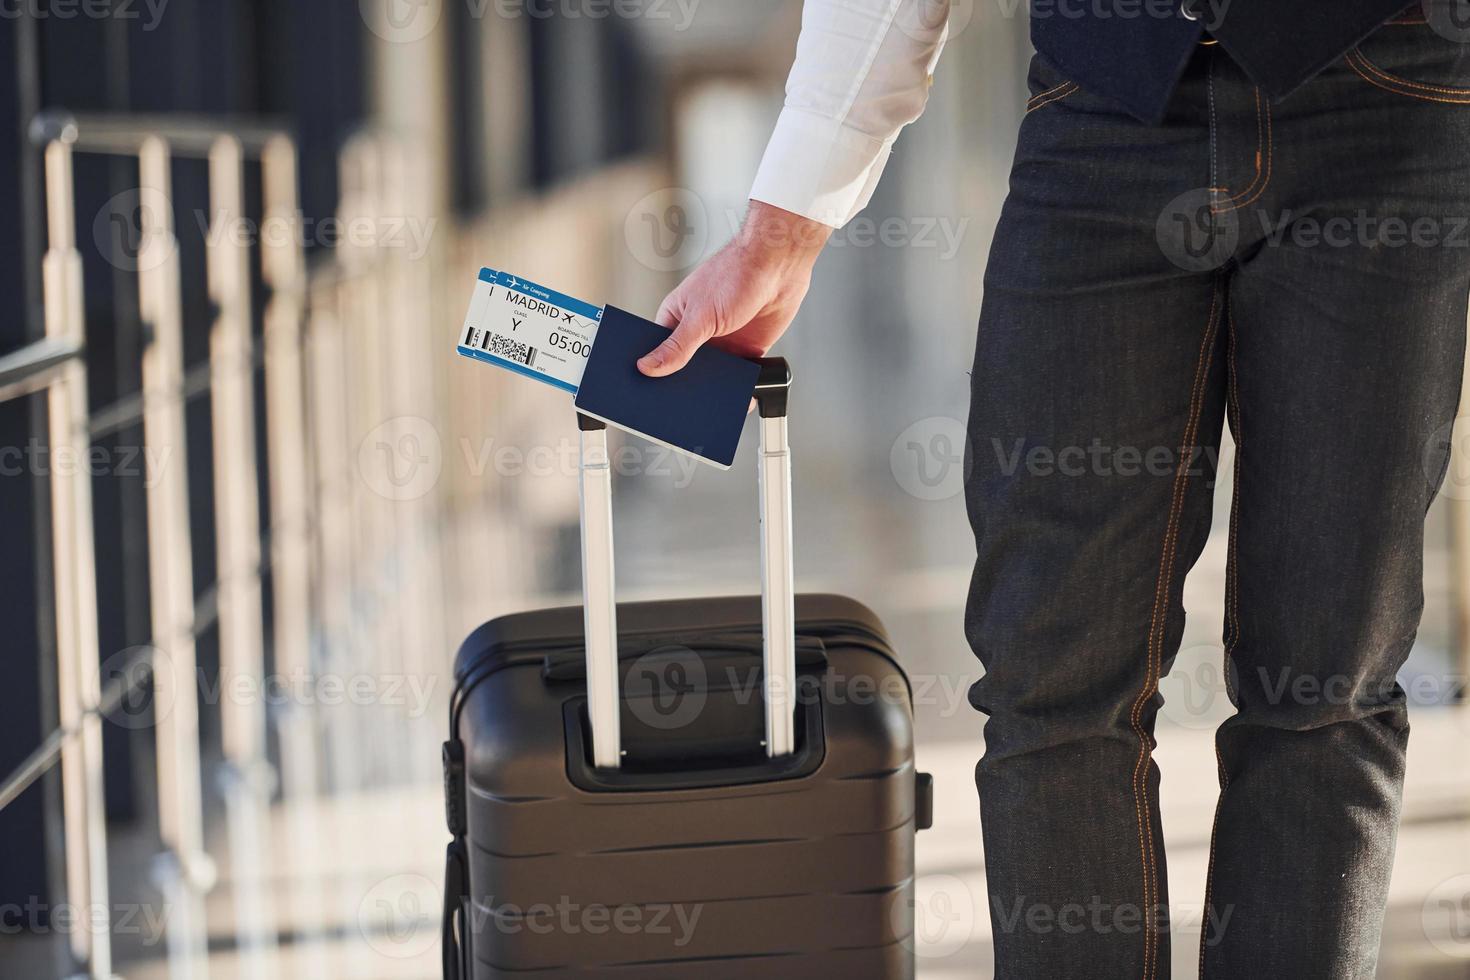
(1140, 776)
(1232, 614)
(1408, 95)
(1042, 95)
(1260, 145)
(1070, 88)
(1157, 623)
(1055, 98)
(1356, 57)
(1270, 157)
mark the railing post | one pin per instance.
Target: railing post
(283, 269)
(409, 383)
(78, 659)
(184, 870)
(361, 743)
(246, 777)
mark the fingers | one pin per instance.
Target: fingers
(670, 314)
(678, 348)
(690, 329)
(670, 310)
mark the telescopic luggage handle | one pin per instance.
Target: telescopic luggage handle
(778, 591)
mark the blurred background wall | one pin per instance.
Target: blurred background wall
(602, 147)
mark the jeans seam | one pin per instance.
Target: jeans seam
(1157, 626)
(1232, 618)
(1214, 129)
(1215, 186)
(1042, 95)
(1403, 86)
(1041, 98)
(1258, 184)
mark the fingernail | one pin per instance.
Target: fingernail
(650, 361)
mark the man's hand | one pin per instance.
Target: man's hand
(745, 295)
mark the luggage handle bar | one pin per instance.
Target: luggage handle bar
(778, 591)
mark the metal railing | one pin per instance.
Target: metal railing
(55, 364)
(354, 568)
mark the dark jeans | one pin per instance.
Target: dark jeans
(1300, 270)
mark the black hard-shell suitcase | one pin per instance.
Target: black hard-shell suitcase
(668, 825)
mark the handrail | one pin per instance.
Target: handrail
(48, 753)
(128, 410)
(32, 368)
(192, 136)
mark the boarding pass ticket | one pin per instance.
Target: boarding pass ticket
(517, 324)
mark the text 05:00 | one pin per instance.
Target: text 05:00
(570, 344)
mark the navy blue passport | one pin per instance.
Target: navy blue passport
(700, 409)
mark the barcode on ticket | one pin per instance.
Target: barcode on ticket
(509, 349)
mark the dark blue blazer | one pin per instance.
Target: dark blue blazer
(1134, 51)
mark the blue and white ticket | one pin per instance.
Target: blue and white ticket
(527, 328)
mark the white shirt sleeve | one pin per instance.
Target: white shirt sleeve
(863, 70)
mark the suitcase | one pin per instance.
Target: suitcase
(715, 788)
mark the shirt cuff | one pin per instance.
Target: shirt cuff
(819, 168)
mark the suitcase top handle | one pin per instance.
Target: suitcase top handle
(778, 587)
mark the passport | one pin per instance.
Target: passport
(699, 409)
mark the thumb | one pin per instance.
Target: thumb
(676, 350)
